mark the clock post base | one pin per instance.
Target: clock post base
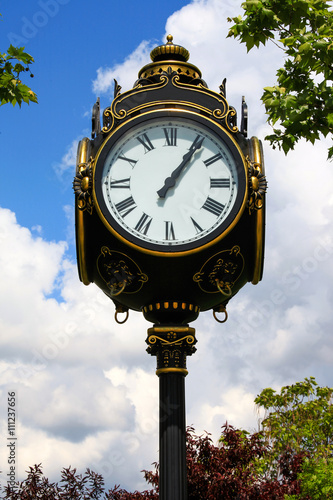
(171, 345)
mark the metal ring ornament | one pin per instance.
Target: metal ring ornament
(115, 294)
(225, 315)
(226, 294)
(118, 311)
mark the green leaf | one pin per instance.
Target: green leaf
(303, 29)
(330, 119)
(304, 47)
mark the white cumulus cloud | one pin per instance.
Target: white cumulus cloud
(87, 390)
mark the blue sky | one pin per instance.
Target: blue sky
(69, 41)
(87, 390)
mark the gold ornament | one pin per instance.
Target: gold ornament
(257, 187)
(82, 187)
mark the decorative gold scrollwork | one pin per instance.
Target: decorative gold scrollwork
(120, 273)
(171, 346)
(220, 272)
(257, 186)
(171, 339)
(145, 95)
(82, 186)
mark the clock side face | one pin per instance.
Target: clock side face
(170, 184)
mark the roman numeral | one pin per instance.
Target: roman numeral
(169, 231)
(170, 136)
(143, 224)
(132, 162)
(198, 229)
(212, 159)
(145, 141)
(220, 183)
(196, 141)
(126, 206)
(121, 183)
(213, 206)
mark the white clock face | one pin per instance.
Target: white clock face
(170, 184)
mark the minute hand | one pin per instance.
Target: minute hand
(171, 181)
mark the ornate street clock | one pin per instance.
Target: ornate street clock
(170, 219)
(170, 196)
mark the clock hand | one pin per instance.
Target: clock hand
(171, 181)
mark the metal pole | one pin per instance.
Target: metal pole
(171, 345)
(173, 478)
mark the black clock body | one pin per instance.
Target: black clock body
(169, 198)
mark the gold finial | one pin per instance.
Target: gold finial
(170, 57)
(169, 51)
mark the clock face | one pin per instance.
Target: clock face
(170, 184)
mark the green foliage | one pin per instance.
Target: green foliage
(12, 63)
(291, 458)
(301, 104)
(316, 480)
(298, 421)
(214, 472)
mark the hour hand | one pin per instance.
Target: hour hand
(171, 181)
